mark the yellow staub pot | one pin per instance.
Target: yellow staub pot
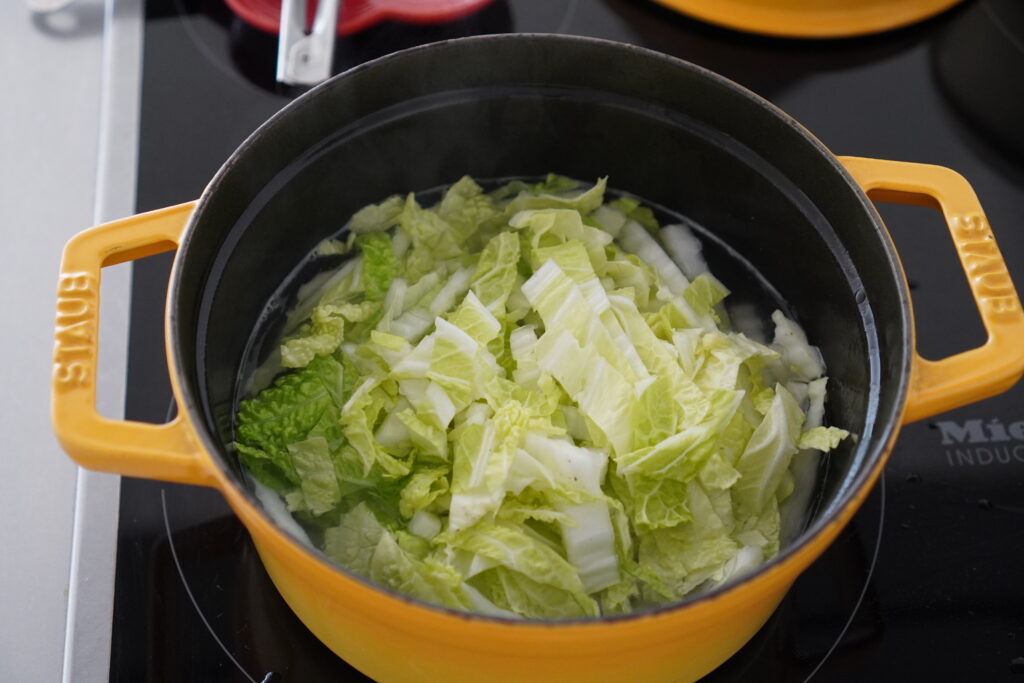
(496, 106)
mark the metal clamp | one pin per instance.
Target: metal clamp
(306, 58)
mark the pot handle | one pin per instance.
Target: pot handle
(136, 449)
(969, 376)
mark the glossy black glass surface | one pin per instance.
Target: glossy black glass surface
(925, 584)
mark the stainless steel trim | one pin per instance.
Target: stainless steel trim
(94, 542)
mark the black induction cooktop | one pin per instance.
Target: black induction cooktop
(926, 583)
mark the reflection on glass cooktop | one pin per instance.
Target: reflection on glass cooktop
(923, 585)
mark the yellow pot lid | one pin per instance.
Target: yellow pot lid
(811, 18)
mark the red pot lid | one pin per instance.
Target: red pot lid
(355, 15)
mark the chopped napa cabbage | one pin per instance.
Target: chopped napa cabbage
(556, 196)
(521, 595)
(602, 394)
(768, 453)
(379, 264)
(423, 489)
(529, 403)
(481, 461)
(636, 239)
(633, 210)
(323, 334)
(465, 206)
(427, 579)
(315, 470)
(358, 416)
(496, 271)
(376, 217)
(425, 524)
(801, 360)
(473, 318)
(685, 249)
(353, 541)
(538, 574)
(299, 404)
(822, 438)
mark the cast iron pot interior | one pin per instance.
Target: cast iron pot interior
(525, 105)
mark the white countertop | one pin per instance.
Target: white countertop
(59, 173)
